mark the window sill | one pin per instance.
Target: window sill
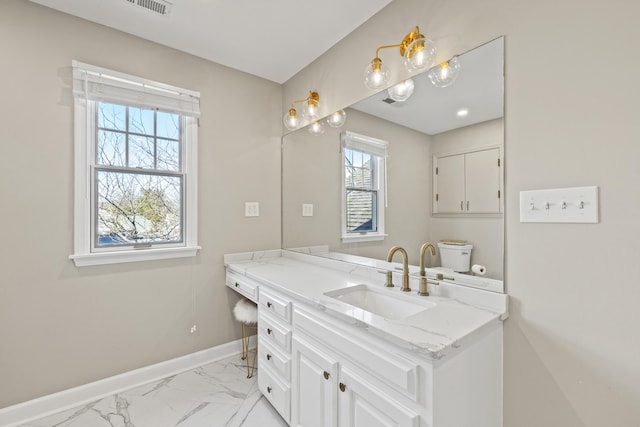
(363, 238)
(85, 260)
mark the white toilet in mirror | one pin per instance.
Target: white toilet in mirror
(455, 256)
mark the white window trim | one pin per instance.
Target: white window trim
(84, 136)
(377, 147)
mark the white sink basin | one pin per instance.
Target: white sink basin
(390, 304)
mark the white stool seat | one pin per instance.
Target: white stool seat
(246, 311)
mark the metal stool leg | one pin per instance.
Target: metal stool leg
(245, 343)
(246, 340)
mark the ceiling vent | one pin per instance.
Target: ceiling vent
(388, 100)
(160, 7)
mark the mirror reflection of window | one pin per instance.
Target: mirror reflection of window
(364, 187)
(362, 194)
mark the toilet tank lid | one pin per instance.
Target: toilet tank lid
(453, 242)
(458, 245)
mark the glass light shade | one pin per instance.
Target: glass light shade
(316, 128)
(419, 55)
(310, 110)
(291, 120)
(337, 119)
(376, 75)
(402, 91)
(445, 74)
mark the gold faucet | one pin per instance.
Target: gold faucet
(423, 273)
(405, 269)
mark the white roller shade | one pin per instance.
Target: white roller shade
(365, 144)
(101, 84)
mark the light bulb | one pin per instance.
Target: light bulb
(337, 119)
(376, 75)
(402, 91)
(445, 74)
(419, 54)
(310, 110)
(316, 128)
(291, 120)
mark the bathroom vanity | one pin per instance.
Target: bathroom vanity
(337, 348)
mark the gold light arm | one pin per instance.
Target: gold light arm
(312, 99)
(406, 41)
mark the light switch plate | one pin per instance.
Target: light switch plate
(252, 209)
(307, 209)
(560, 205)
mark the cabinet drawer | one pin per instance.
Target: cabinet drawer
(375, 358)
(243, 285)
(276, 305)
(272, 332)
(278, 393)
(274, 359)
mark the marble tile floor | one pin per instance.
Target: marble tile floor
(214, 395)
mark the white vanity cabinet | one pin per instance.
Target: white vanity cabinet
(468, 182)
(340, 382)
(274, 350)
(322, 363)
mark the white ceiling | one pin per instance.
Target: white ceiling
(272, 39)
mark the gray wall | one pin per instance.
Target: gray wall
(62, 326)
(571, 119)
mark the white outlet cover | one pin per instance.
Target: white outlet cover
(307, 209)
(252, 209)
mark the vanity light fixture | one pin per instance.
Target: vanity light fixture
(417, 50)
(316, 128)
(337, 119)
(402, 91)
(444, 74)
(309, 110)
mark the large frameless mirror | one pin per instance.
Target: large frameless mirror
(436, 128)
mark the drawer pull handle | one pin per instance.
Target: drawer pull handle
(269, 331)
(269, 305)
(269, 390)
(237, 284)
(268, 356)
(326, 375)
(342, 387)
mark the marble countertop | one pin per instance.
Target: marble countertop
(457, 311)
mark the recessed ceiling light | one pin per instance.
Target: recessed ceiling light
(463, 112)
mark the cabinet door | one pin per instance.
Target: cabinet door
(314, 400)
(362, 405)
(450, 184)
(482, 181)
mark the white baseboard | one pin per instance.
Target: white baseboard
(50, 404)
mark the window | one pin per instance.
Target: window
(135, 168)
(363, 188)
